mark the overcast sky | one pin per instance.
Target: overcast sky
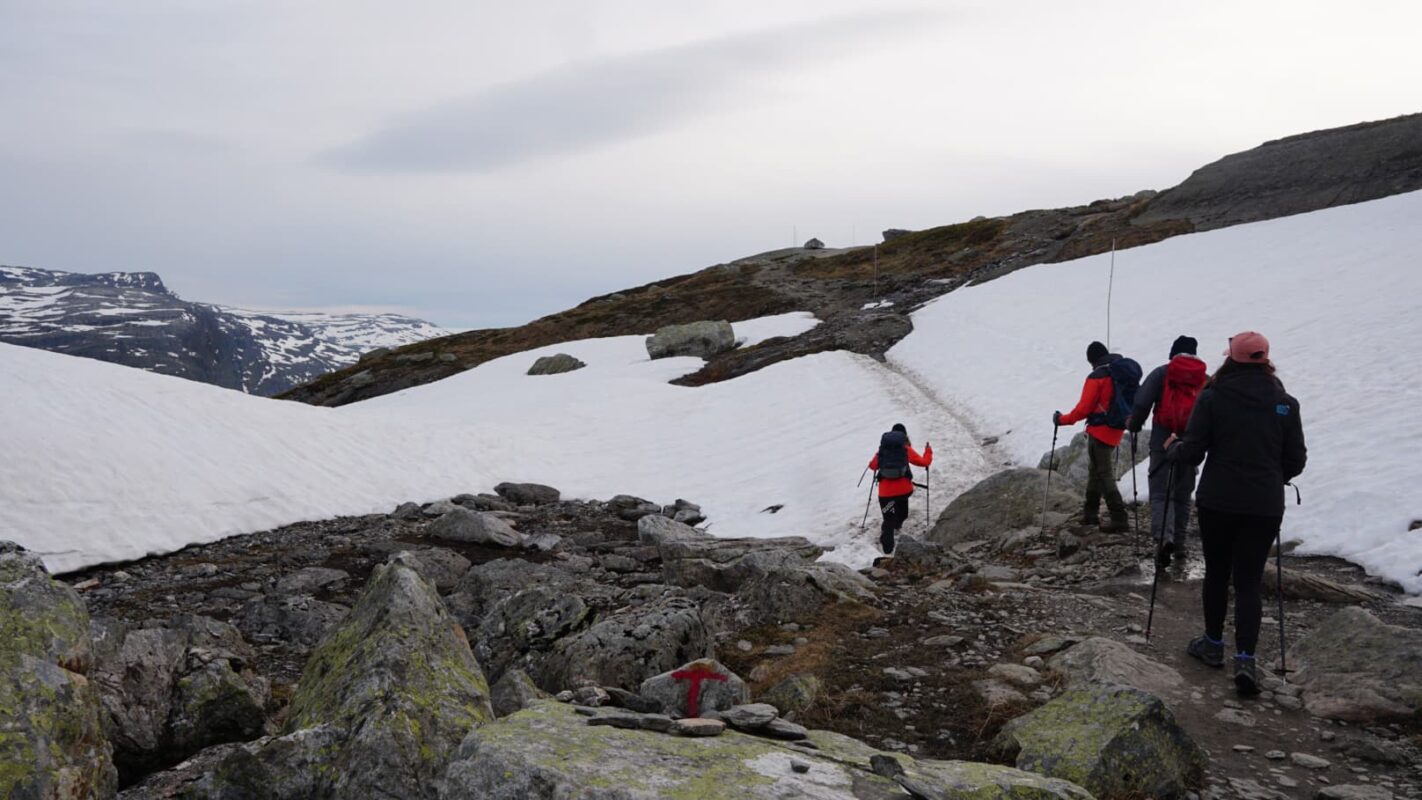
(482, 164)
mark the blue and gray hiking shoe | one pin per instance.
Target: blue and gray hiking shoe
(1246, 678)
(1207, 650)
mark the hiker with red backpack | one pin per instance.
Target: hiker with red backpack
(1171, 390)
(1107, 399)
(891, 470)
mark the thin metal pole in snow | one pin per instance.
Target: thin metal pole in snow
(1110, 285)
(876, 272)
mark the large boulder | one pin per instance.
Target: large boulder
(1105, 661)
(654, 529)
(1357, 668)
(726, 564)
(1115, 741)
(52, 744)
(697, 339)
(1071, 462)
(787, 594)
(171, 690)
(381, 705)
(296, 622)
(548, 751)
(1007, 501)
(555, 365)
(625, 647)
(528, 494)
(459, 524)
(718, 691)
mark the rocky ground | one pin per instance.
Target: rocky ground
(933, 654)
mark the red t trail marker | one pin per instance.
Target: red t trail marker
(694, 676)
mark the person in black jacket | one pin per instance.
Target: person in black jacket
(1250, 429)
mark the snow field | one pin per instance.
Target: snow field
(1335, 292)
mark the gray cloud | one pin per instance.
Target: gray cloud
(599, 101)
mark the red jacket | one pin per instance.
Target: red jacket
(1095, 399)
(898, 487)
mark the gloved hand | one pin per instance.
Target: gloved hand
(1056, 418)
(1172, 451)
(1135, 427)
(927, 450)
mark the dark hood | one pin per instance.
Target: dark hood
(1250, 386)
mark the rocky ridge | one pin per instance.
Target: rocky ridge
(864, 295)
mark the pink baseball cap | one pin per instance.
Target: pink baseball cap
(1249, 347)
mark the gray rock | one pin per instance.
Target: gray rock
(1308, 761)
(1009, 500)
(1357, 668)
(750, 716)
(1353, 791)
(407, 511)
(1016, 674)
(1072, 464)
(713, 694)
(52, 742)
(298, 622)
(1105, 661)
(895, 233)
(626, 647)
(1113, 740)
(698, 727)
(528, 494)
(513, 692)
(997, 693)
(439, 508)
(814, 244)
(398, 681)
(438, 565)
(795, 693)
(654, 529)
(171, 691)
(799, 592)
(548, 752)
(725, 564)
(696, 339)
(631, 508)
(289, 767)
(555, 364)
(474, 527)
(485, 502)
(309, 579)
(543, 542)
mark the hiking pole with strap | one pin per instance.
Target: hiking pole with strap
(861, 478)
(928, 502)
(1155, 559)
(1051, 466)
(1279, 583)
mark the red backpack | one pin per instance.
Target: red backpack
(1184, 377)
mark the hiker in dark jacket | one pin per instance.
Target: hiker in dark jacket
(1101, 441)
(1250, 429)
(895, 489)
(1170, 389)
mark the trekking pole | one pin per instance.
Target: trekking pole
(865, 522)
(1051, 466)
(861, 478)
(1155, 560)
(1135, 498)
(1279, 590)
(928, 489)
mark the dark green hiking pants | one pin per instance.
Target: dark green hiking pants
(1101, 481)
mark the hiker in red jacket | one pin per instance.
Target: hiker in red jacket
(1101, 442)
(891, 468)
(1171, 390)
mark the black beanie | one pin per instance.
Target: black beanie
(1096, 351)
(899, 426)
(1183, 344)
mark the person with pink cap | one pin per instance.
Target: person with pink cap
(1249, 428)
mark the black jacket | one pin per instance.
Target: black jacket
(1250, 428)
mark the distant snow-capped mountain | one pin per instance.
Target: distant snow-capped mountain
(131, 318)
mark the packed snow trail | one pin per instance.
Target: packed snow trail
(1336, 293)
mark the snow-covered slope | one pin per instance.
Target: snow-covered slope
(132, 319)
(106, 463)
(1336, 292)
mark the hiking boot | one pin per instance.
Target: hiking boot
(1209, 652)
(1117, 524)
(1246, 678)
(1163, 554)
(1090, 519)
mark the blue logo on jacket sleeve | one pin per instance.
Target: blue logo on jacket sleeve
(1282, 409)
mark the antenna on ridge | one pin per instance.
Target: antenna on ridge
(1110, 285)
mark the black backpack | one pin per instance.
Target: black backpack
(893, 456)
(1125, 380)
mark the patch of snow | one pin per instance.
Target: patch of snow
(752, 332)
(877, 304)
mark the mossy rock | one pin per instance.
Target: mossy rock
(1116, 741)
(1007, 501)
(397, 676)
(52, 742)
(548, 751)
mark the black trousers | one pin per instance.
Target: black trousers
(896, 510)
(1236, 549)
